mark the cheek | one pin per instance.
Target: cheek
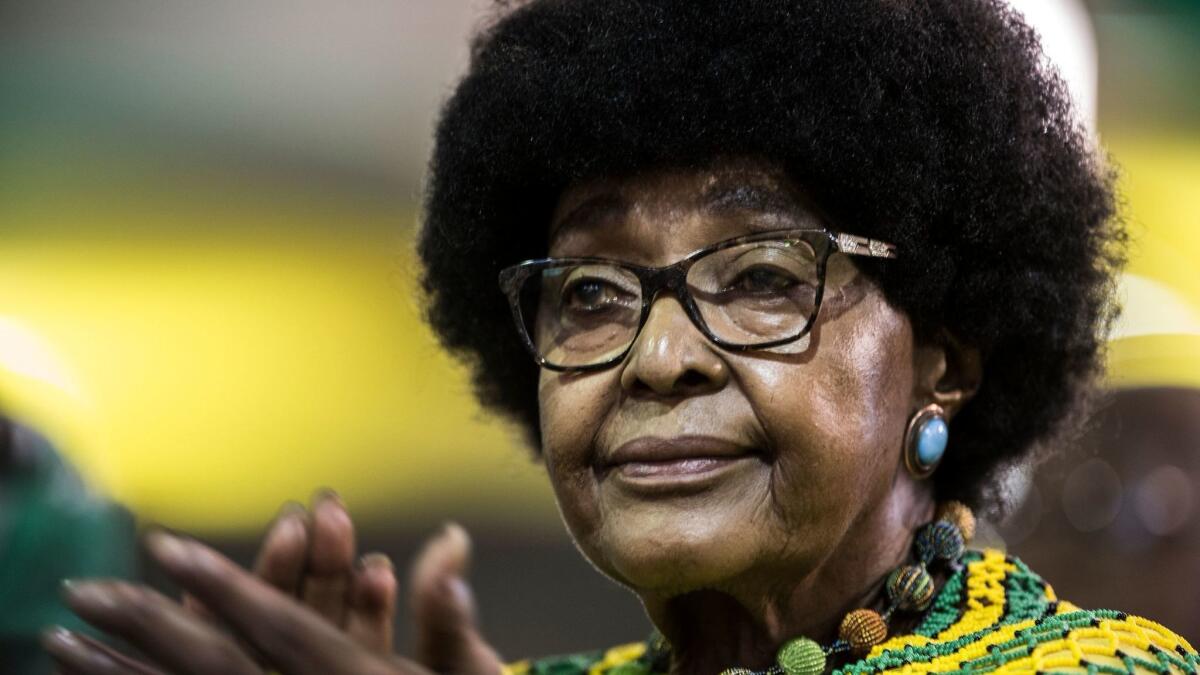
(572, 409)
(838, 420)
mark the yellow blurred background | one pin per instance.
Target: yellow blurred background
(204, 379)
(209, 297)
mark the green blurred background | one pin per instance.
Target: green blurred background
(209, 301)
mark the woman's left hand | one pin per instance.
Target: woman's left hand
(281, 632)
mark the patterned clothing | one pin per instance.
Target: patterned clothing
(993, 615)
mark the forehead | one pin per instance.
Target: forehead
(687, 208)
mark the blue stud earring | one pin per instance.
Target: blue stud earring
(925, 441)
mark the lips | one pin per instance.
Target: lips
(658, 464)
(653, 449)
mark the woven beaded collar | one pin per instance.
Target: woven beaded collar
(909, 587)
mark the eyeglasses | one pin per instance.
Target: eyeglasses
(759, 291)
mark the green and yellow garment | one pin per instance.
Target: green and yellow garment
(993, 615)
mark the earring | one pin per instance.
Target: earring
(925, 440)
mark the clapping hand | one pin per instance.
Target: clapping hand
(307, 608)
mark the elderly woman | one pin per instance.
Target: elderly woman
(791, 283)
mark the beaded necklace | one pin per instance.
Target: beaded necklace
(909, 587)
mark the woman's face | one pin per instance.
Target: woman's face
(686, 466)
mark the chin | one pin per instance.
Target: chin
(657, 553)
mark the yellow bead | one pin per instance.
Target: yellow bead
(959, 514)
(863, 629)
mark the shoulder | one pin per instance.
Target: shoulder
(994, 614)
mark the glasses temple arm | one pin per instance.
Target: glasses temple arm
(852, 244)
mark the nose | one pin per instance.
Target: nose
(671, 357)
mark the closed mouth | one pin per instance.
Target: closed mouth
(655, 464)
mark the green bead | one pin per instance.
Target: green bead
(801, 657)
(631, 668)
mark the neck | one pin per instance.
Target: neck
(743, 624)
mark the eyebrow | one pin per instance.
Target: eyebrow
(604, 207)
(718, 198)
(732, 196)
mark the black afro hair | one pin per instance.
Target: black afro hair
(934, 125)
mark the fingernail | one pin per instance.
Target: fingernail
(327, 494)
(290, 510)
(378, 560)
(167, 548)
(457, 535)
(289, 527)
(451, 529)
(68, 588)
(61, 643)
(83, 595)
(58, 636)
(291, 520)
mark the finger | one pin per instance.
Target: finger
(281, 559)
(76, 653)
(193, 605)
(292, 637)
(163, 630)
(448, 638)
(372, 607)
(326, 580)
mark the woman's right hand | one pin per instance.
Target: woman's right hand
(311, 554)
(270, 629)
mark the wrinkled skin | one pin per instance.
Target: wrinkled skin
(803, 507)
(819, 508)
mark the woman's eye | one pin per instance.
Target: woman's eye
(590, 294)
(762, 280)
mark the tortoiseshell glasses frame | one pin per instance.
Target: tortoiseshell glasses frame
(674, 279)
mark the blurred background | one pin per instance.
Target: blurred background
(208, 307)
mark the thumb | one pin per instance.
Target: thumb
(443, 606)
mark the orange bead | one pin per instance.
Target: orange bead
(863, 629)
(959, 514)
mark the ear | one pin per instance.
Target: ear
(946, 372)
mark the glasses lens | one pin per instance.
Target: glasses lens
(581, 315)
(757, 292)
